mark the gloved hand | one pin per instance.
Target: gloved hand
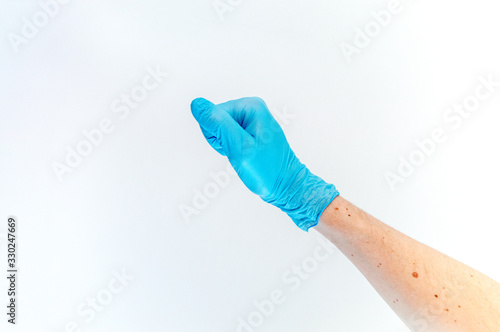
(245, 131)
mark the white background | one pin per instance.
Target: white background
(119, 209)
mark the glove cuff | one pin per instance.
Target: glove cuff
(306, 199)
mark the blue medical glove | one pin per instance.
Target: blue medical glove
(245, 131)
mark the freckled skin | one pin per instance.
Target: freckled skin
(412, 272)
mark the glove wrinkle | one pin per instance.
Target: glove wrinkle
(245, 131)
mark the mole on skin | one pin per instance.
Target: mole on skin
(415, 275)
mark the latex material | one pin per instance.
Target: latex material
(245, 131)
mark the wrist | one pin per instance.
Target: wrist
(305, 199)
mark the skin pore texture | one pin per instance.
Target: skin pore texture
(428, 290)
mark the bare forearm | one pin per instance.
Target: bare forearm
(428, 290)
